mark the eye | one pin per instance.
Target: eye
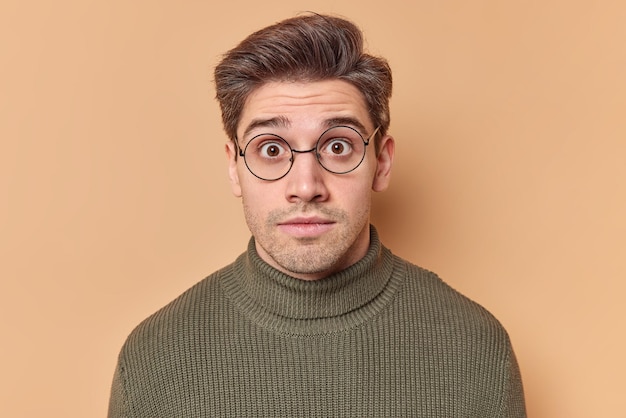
(271, 149)
(337, 147)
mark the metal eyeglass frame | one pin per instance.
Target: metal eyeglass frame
(366, 142)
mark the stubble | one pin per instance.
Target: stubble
(326, 254)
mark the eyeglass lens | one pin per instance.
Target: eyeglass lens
(340, 149)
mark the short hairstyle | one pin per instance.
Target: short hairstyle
(305, 48)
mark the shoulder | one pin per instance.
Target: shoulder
(188, 311)
(439, 305)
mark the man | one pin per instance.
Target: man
(317, 317)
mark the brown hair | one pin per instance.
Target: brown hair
(304, 48)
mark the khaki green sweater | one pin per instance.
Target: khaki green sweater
(383, 338)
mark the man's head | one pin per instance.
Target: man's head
(304, 48)
(307, 112)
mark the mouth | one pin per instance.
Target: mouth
(306, 227)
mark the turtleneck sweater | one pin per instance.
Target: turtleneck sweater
(383, 338)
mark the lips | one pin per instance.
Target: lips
(306, 221)
(306, 227)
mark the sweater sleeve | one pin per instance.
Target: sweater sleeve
(118, 404)
(513, 404)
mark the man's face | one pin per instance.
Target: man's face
(310, 223)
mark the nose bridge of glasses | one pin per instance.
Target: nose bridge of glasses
(297, 151)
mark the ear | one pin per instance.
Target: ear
(385, 161)
(233, 174)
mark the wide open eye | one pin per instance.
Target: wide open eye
(340, 149)
(268, 147)
(271, 150)
(337, 147)
(340, 142)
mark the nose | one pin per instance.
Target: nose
(306, 179)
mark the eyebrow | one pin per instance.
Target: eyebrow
(275, 122)
(284, 122)
(345, 121)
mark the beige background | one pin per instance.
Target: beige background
(509, 182)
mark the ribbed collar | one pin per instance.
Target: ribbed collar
(269, 295)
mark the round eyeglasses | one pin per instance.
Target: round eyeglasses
(339, 150)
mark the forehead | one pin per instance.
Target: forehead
(304, 105)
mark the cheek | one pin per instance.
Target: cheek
(257, 198)
(354, 195)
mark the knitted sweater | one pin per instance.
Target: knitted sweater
(383, 338)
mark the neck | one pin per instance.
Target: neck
(279, 299)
